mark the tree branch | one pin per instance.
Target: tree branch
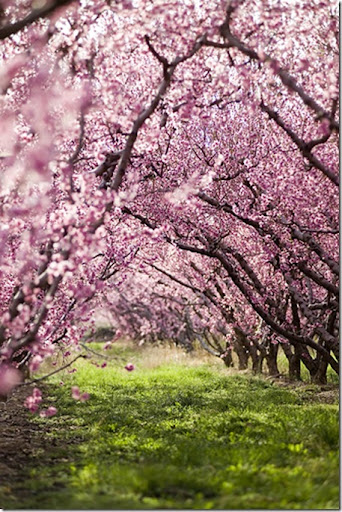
(33, 16)
(287, 79)
(34, 381)
(305, 148)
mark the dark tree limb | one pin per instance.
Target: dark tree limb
(34, 15)
(232, 41)
(304, 148)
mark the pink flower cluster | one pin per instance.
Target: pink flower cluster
(50, 411)
(32, 402)
(76, 394)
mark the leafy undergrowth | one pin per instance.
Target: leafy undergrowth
(181, 436)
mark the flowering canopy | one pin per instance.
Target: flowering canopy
(175, 162)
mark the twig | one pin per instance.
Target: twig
(52, 373)
(93, 351)
(118, 358)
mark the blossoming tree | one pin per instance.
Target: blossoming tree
(175, 161)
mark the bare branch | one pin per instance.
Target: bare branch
(159, 57)
(34, 381)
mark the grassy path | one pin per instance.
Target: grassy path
(181, 436)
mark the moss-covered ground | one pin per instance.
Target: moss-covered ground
(179, 435)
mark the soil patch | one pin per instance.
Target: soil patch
(324, 394)
(21, 438)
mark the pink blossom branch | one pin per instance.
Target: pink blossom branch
(297, 296)
(291, 336)
(263, 230)
(176, 280)
(315, 246)
(117, 180)
(287, 79)
(34, 15)
(294, 338)
(305, 148)
(321, 281)
(148, 111)
(207, 294)
(41, 282)
(30, 336)
(168, 72)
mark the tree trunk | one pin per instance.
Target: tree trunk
(228, 359)
(320, 375)
(318, 372)
(294, 361)
(256, 359)
(271, 359)
(242, 355)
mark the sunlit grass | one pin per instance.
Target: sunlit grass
(182, 432)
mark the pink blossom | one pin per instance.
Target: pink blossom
(6, 352)
(129, 367)
(32, 402)
(103, 365)
(75, 392)
(10, 377)
(35, 362)
(31, 405)
(50, 411)
(37, 393)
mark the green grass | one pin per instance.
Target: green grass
(181, 435)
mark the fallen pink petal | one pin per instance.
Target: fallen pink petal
(75, 392)
(51, 411)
